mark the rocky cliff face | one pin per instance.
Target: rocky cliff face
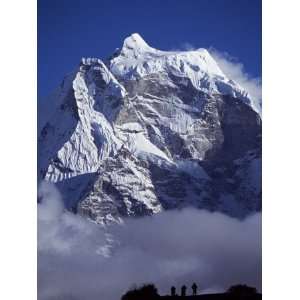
(149, 130)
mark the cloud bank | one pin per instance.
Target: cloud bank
(78, 259)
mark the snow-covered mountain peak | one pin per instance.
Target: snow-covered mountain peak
(135, 44)
(136, 52)
(138, 60)
(150, 130)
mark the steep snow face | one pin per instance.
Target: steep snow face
(151, 130)
(79, 135)
(137, 60)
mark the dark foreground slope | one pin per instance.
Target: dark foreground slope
(223, 296)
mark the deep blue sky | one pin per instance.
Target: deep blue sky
(71, 29)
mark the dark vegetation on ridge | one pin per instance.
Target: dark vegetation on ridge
(149, 292)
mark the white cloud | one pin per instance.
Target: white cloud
(78, 259)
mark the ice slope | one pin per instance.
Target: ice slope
(79, 134)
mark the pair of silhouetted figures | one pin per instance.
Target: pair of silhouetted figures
(183, 290)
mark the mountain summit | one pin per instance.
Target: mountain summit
(135, 42)
(150, 130)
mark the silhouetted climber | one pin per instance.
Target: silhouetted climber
(194, 288)
(183, 291)
(173, 291)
